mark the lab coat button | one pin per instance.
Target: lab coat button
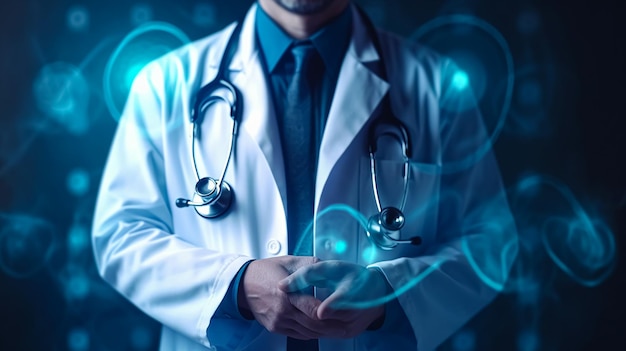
(273, 247)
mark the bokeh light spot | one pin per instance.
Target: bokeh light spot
(78, 340)
(77, 239)
(141, 338)
(62, 93)
(26, 244)
(529, 93)
(528, 291)
(140, 14)
(460, 80)
(204, 14)
(369, 254)
(341, 246)
(78, 182)
(78, 286)
(464, 340)
(77, 18)
(527, 340)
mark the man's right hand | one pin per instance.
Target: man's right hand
(293, 315)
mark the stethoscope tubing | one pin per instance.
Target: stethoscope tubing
(207, 96)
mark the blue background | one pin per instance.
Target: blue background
(567, 122)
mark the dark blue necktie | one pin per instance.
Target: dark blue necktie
(300, 155)
(299, 149)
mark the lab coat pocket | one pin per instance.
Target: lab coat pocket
(419, 184)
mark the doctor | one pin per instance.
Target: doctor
(242, 279)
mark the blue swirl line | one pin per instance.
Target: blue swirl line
(456, 166)
(587, 224)
(108, 71)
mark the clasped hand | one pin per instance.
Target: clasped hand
(271, 293)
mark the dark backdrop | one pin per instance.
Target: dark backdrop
(568, 122)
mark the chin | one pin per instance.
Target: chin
(305, 7)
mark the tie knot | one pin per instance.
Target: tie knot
(305, 56)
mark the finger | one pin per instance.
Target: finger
(297, 262)
(337, 301)
(298, 331)
(319, 274)
(308, 326)
(343, 315)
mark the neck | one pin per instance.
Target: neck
(302, 26)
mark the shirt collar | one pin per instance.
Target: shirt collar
(330, 41)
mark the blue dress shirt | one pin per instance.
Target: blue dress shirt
(331, 42)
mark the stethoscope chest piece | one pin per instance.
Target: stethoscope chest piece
(216, 197)
(382, 226)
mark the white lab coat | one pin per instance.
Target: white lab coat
(176, 266)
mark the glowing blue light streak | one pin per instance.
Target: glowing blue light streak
(141, 30)
(396, 293)
(508, 250)
(497, 285)
(583, 249)
(307, 236)
(455, 21)
(362, 220)
(493, 261)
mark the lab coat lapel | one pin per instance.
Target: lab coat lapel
(258, 119)
(359, 91)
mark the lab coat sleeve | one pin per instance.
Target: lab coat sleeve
(136, 251)
(476, 241)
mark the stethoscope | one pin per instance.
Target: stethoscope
(384, 226)
(213, 197)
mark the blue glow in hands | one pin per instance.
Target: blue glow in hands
(351, 285)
